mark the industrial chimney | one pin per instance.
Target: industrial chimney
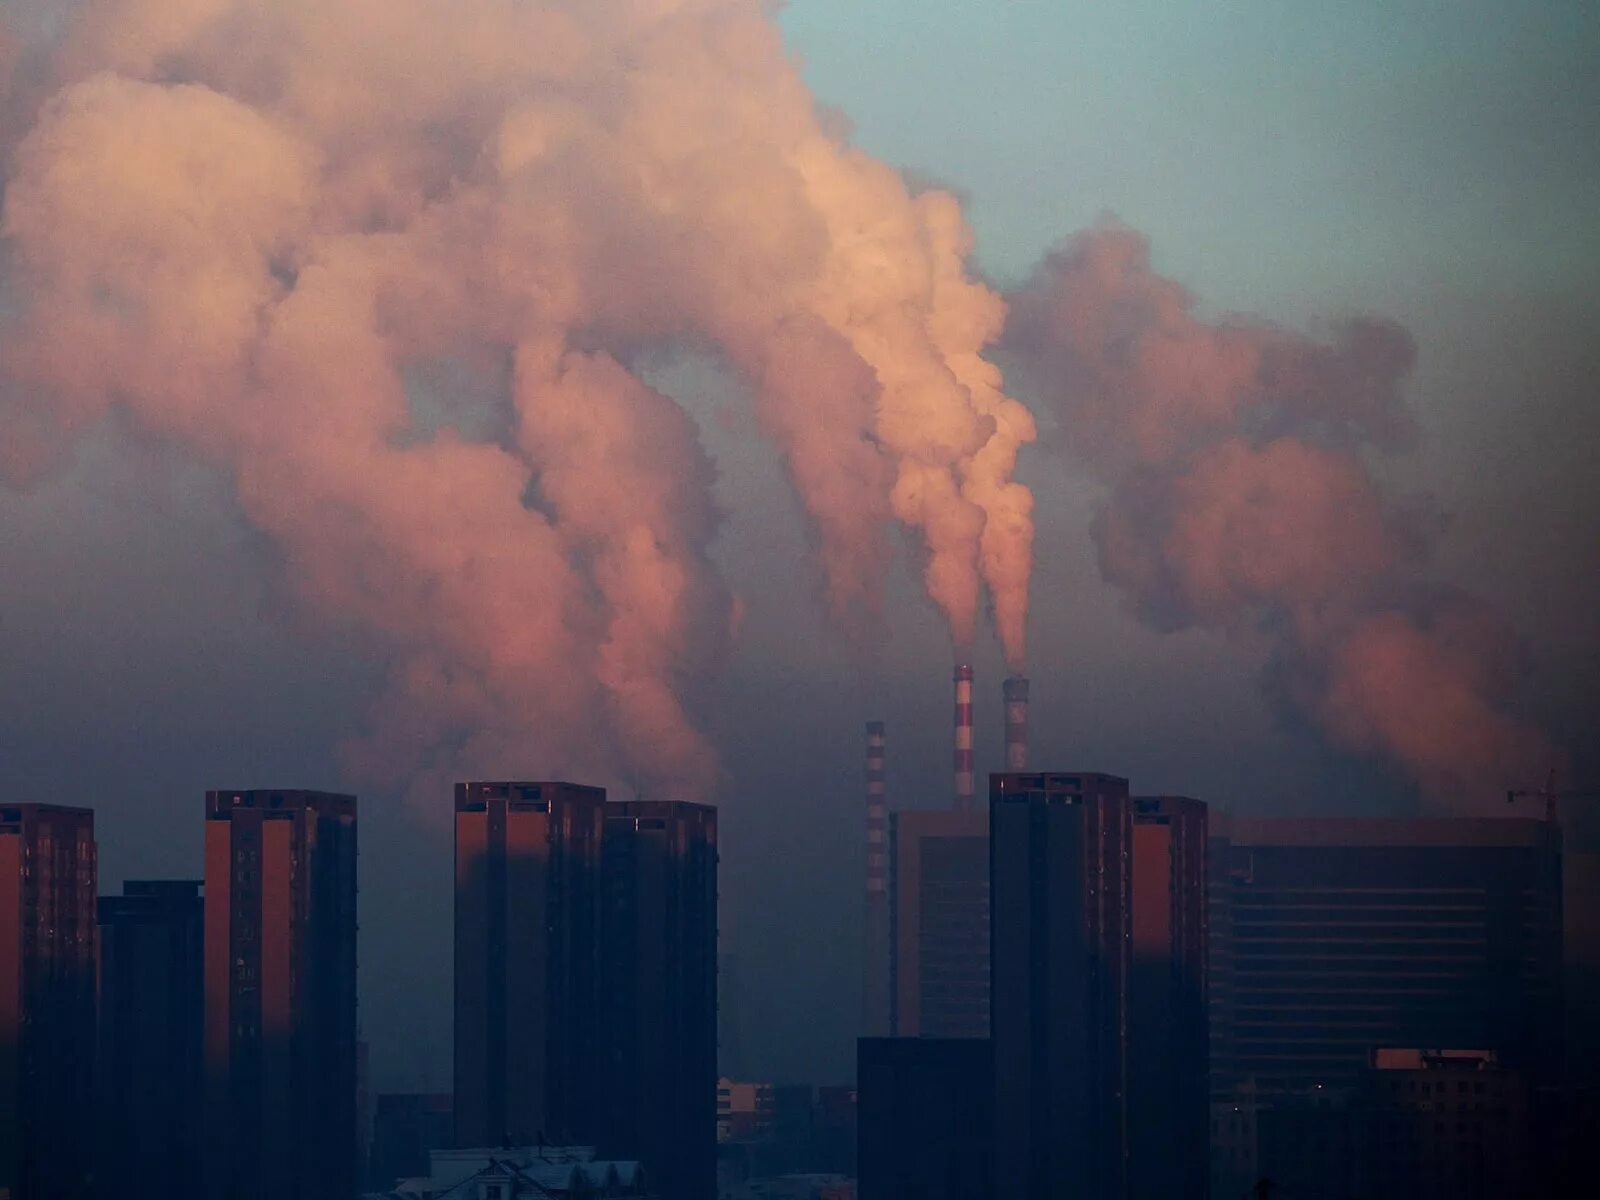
(1015, 691)
(963, 748)
(875, 975)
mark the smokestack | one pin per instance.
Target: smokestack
(1015, 691)
(875, 994)
(963, 755)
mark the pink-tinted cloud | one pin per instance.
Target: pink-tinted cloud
(1240, 497)
(244, 222)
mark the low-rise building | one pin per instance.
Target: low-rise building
(524, 1173)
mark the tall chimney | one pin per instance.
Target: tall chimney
(964, 798)
(1015, 691)
(875, 978)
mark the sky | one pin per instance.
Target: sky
(1436, 164)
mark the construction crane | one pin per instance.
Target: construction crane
(1549, 795)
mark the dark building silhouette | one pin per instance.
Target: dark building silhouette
(1168, 1035)
(659, 992)
(939, 923)
(1349, 935)
(875, 972)
(527, 959)
(405, 1126)
(926, 1118)
(1219, 961)
(47, 1000)
(280, 995)
(1060, 851)
(148, 1141)
(1415, 1125)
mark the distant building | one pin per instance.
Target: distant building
(1416, 1125)
(1061, 911)
(1168, 1041)
(926, 1118)
(1447, 1125)
(150, 1106)
(1346, 935)
(744, 1110)
(767, 1130)
(406, 1127)
(658, 995)
(528, 1064)
(280, 995)
(939, 923)
(47, 999)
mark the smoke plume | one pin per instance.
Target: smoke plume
(252, 225)
(1240, 497)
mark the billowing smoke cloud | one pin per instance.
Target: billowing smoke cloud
(1240, 497)
(253, 224)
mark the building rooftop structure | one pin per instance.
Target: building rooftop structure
(530, 1173)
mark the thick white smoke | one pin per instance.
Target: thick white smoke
(247, 223)
(1240, 497)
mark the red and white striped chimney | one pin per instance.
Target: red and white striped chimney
(875, 990)
(1015, 692)
(964, 779)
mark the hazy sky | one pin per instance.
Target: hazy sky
(1436, 163)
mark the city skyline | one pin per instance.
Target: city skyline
(147, 611)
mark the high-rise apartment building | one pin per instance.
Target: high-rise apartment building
(1349, 935)
(1168, 1038)
(939, 923)
(47, 999)
(658, 945)
(150, 1109)
(527, 957)
(280, 995)
(1060, 846)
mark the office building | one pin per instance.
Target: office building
(280, 995)
(47, 999)
(658, 992)
(926, 1118)
(527, 956)
(1349, 935)
(1446, 1125)
(939, 923)
(1168, 1036)
(152, 1018)
(1060, 866)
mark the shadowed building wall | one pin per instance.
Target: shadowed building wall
(1348, 935)
(939, 923)
(1168, 1038)
(1061, 880)
(280, 995)
(926, 1118)
(47, 1000)
(659, 992)
(526, 963)
(152, 1015)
